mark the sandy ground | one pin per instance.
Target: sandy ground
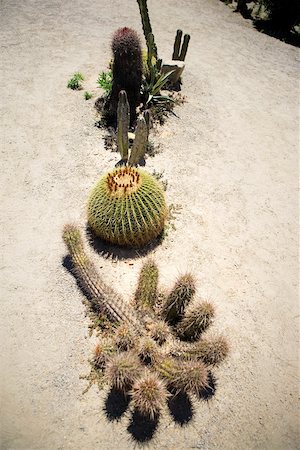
(230, 158)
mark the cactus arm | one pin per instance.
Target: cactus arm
(177, 44)
(147, 116)
(150, 55)
(146, 22)
(146, 292)
(184, 48)
(140, 142)
(103, 298)
(123, 117)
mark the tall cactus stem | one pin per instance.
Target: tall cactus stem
(127, 72)
(178, 299)
(150, 56)
(185, 376)
(140, 142)
(177, 44)
(123, 118)
(184, 47)
(146, 292)
(146, 22)
(103, 298)
(147, 117)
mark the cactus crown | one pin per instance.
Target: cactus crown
(123, 181)
(126, 42)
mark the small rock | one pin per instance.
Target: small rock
(175, 65)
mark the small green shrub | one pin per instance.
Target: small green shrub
(75, 82)
(105, 81)
(88, 95)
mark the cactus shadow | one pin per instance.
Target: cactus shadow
(115, 252)
(209, 391)
(116, 404)
(141, 428)
(180, 407)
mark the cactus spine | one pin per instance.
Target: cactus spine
(123, 125)
(127, 207)
(146, 22)
(179, 52)
(103, 298)
(102, 352)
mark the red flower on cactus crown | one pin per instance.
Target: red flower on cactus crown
(125, 38)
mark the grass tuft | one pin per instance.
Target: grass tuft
(75, 82)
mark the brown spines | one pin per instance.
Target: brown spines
(122, 370)
(178, 299)
(149, 395)
(197, 319)
(186, 376)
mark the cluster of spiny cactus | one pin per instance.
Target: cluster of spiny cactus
(158, 344)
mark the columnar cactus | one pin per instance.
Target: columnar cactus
(127, 207)
(212, 350)
(103, 298)
(177, 44)
(186, 376)
(179, 52)
(140, 142)
(178, 299)
(146, 292)
(146, 22)
(196, 319)
(149, 394)
(127, 71)
(122, 369)
(123, 125)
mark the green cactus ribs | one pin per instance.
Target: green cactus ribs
(127, 207)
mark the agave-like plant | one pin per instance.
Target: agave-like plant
(156, 347)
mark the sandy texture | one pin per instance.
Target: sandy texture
(230, 158)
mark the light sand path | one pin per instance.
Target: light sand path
(230, 159)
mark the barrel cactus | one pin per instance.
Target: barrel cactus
(127, 207)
